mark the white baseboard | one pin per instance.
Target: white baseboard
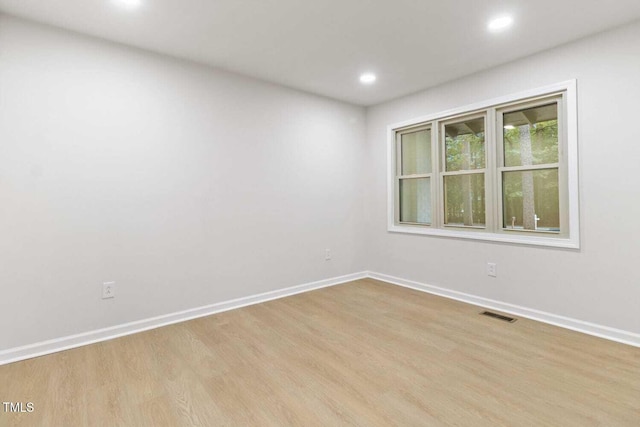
(605, 332)
(91, 337)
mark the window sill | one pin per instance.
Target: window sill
(554, 242)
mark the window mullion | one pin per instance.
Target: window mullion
(499, 159)
(436, 217)
(398, 165)
(441, 170)
(490, 180)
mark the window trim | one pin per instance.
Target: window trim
(568, 100)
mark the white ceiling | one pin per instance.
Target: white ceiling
(323, 46)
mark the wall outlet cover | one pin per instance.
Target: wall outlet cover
(108, 290)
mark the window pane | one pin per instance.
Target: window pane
(416, 152)
(464, 199)
(415, 200)
(464, 145)
(530, 200)
(531, 136)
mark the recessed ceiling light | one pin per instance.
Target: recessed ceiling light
(127, 4)
(499, 24)
(367, 78)
(509, 127)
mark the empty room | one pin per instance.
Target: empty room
(292, 213)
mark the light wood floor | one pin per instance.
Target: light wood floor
(363, 353)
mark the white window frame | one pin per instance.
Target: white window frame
(566, 93)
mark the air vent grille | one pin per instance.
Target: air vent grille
(498, 316)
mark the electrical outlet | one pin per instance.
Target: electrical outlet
(327, 254)
(492, 269)
(108, 290)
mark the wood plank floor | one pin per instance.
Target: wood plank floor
(363, 353)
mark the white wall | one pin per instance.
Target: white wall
(190, 186)
(599, 283)
(186, 185)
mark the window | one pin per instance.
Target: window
(414, 181)
(464, 172)
(502, 170)
(529, 168)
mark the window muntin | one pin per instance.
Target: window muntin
(553, 165)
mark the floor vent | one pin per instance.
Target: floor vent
(498, 316)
